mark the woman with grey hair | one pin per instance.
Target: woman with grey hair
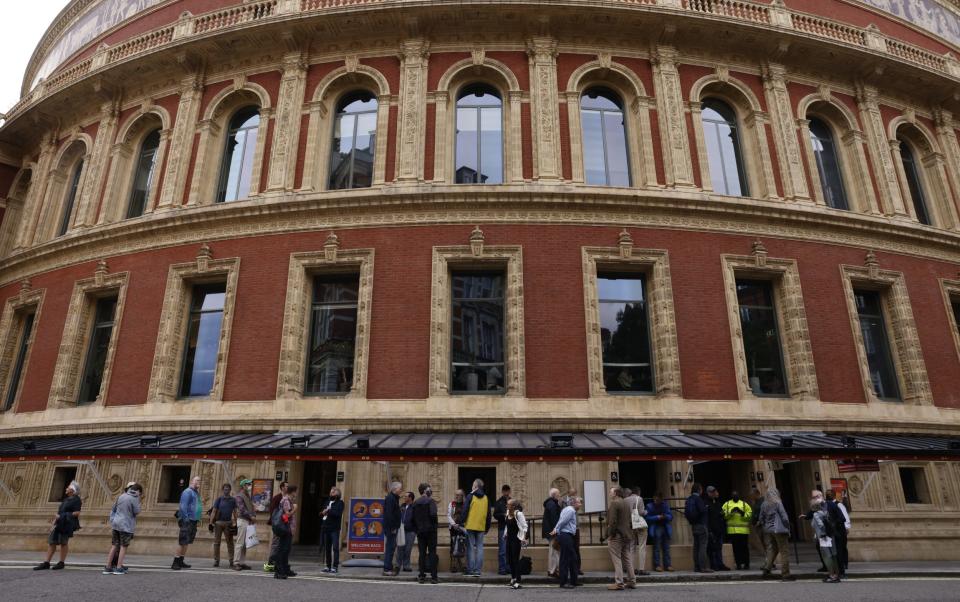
(776, 525)
(65, 524)
(823, 528)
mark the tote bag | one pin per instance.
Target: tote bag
(250, 538)
(637, 521)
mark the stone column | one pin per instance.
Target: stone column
(941, 204)
(33, 204)
(867, 199)
(883, 166)
(947, 136)
(88, 198)
(414, 57)
(181, 143)
(286, 128)
(784, 133)
(677, 165)
(544, 108)
(757, 122)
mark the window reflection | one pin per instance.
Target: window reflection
(479, 136)
(722, 139)
(913, 182)
(97, 351)
(477, 333)
(237, 167)
(71, 199)
(828, 164)
(143, 174)
(354, 140)
(333, 333)
(203, 339)
(625, 334)
(761, 339)
(23, 347)
(604, 138)
(876, 345)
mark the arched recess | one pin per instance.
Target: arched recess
(65, 180)
(327, 94)
(910, 138)
(636, 112)
(124, 158)
(213, 130)
(849, 141)
(751, 121)
(13, 214)
(470, 72)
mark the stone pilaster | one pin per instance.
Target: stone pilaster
(884, 168)
(947, 136)
(784, 133)
(678, 168)
(181, 143)
(414, 57)
(33, 204)
(88, 198)
(286, 130)
(545, 112)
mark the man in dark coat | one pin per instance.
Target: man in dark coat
(425, 524)
(392, 523)
(695, 512)
(551, 514)
(500, 514)
(717, 528)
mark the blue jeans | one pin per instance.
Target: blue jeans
(503, 566)
(661, 542)
(474, 551)
(391, 549)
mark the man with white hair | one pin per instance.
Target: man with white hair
(392, 523)
(551, 514)
(65, 523)
(188, 517)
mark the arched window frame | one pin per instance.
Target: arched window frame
(326, 97)
(124, 158)
(340, 114)
(213, 130)
(930, 169)
(751, 125)
(246, 121)
(73, 153)
(849, 141)
(487, 72)
(636, 112)
(475, 112)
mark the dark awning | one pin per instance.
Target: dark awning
(609, 444)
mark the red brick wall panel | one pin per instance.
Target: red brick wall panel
(429, 148)
(439, 64)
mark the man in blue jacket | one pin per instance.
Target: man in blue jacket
(391, 524)
(188, 517)
(660, 521)
(695, 511)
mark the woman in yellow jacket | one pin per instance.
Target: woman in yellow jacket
(737, 513)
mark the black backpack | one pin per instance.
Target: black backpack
(280, 527)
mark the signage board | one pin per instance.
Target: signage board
(261, 494)
(845, 466)
(366, 526)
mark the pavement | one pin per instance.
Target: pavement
(307, 566)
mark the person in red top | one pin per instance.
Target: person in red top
(269, 565)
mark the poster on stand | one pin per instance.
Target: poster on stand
(261, 494)
(366, 526)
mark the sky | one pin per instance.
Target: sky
(21, 28)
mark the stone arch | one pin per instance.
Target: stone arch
(129, 129)
(71, 152)
(478, 69)
(849, 141)
(636, 110)
(323, 106)
(123, 159)
(930, 168)
(751, 120)
(226, 100)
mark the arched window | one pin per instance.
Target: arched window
(237, 165)
(479, 138)
(71, 199)
(354, 138)
(913, 182)
(828, 164)
(143, 174)
(605, 161)
(727, 173)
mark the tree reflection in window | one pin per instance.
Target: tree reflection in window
(354, 140)
(477, 333)
(625, 333)
(479, 136)
(761, 338)
(333, 333)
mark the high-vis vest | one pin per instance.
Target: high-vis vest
(737, 524)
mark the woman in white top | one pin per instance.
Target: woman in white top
(516, 537)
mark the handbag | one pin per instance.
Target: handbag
(233, 530)
(526, 565)
(250, 538)
(401, 537)
(637, 521)
(458, 545)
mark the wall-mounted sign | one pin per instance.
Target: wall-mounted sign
(339, 476)
(858, 466)
(614, 476)
(261, 494)
(366, 526)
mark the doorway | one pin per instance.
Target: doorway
(795, 480)
(640, 476)
(726, 475)
(487, 474)
(318, 478)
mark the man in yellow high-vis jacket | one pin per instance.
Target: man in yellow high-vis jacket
(737, 513)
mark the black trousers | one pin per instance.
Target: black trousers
(427, 545)
(282, 565)
(330, 546)
(842, 561)
(513, 557)
(741, 549)
(568, 559)
(715, 550)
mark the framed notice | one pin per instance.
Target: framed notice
(594, 497)
(261, 494)
(366, 526)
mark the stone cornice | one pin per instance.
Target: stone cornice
(415, 205)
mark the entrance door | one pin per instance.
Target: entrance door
(639, 475)
(726, 475)
(318, 478)
(487, 474)
(795, 480)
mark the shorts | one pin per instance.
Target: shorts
(188, 532)
(121, 538)
(56, 538)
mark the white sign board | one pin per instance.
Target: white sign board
(594, 496)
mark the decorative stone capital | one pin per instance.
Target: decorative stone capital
(476, 241)
(542, 48)
(331, 246)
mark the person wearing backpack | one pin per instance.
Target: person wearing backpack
(283, 523)
(123, 521)
(695, 511)
(269, 565)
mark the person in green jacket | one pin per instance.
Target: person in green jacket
(737, 513)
